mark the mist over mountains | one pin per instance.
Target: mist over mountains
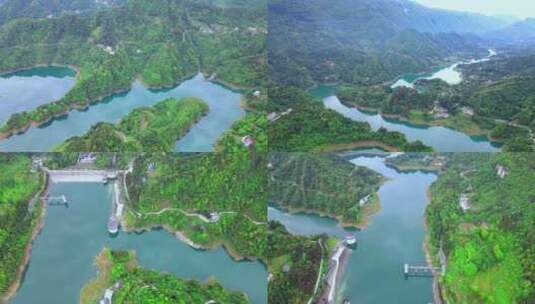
(370, 41)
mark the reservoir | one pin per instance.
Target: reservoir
(449, 74)
(441, 139)
(224, 111)
(62, 258)
(394, 236)
(26, 90)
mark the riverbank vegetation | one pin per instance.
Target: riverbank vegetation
(120, 267)
(149, 129)
(495, 98)
(253, 125)
(111, 48)
(212, 199)
(309, 126)
(294, 264)
(488, 243)
(19, 214)
(323, 184)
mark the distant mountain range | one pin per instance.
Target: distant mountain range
(13, 9)
(517, 33)
(366, 41)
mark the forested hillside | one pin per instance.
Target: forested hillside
(498, 94)
(364, 41)
(19, 212)
(304, 124)
(294, 264)
(162, 43)
(324, 184)
(180, 193)
(13, 9)
(151, 129)
(490, 246)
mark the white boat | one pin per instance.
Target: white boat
(113, 225)
(350, 241)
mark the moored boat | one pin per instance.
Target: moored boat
(113, 225)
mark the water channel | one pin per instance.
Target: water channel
(395, 235)
(442, 139)
(62, 258)
(28, 89)
(224, 111)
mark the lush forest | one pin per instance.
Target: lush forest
(499, 92)
(19, 213)
(179, 192)
(490, 248)
(294, 264)
(363, 41)
(112, 47)
(254, 125)
(311, 127)
(13, 9)
(121, 267)
(324, 184)
(149, 129)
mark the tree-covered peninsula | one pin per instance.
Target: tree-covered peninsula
(207, 199)
(480, 221)
(130, 283)
(20, 213)
(299, 122)
(323, 184)
(160, 43)
(495, 98)
(151, 129)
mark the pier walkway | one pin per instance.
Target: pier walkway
(412, 270)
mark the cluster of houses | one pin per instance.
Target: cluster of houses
(106, 48)
(86, 158)
(274, 116)
(440, 112)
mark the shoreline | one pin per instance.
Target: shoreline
(365, 144)
(397, 118)
(183, 238)
(437, 289)
(338, 267)
(36, 231)
(84, 105)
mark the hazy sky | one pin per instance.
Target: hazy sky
(518, 8)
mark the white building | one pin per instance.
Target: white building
(501, 171)
(464, 202)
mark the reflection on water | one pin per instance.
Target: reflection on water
(394, 236)
(28, 89)
(62, 258)
(224, 111)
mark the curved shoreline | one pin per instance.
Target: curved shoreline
(362, 224)
(399, 119)
(84, 105)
